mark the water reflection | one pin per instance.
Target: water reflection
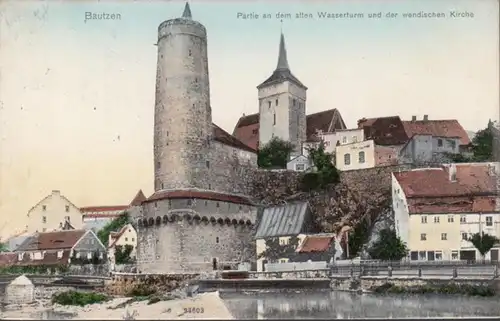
(342, 305)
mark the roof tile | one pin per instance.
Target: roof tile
(449, 128)
(314, 243)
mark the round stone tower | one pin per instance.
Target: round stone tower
(183, 117)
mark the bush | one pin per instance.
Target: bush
(451, 288)
(310, 182)
(141, 290)
(78, 298)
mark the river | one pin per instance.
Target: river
(344, 305)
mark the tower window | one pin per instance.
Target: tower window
(217, 239)
(158, 164)
(208, 164)
(274, 119)
(269, 104)
(189, 202)
(276, 102)
(190, 53)
(294, 102)
(196, 80)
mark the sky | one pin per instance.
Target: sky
(77, 97)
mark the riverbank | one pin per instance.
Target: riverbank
(451, 288)
(202, 306)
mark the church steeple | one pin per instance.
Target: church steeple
(187, 12)
(282, 58)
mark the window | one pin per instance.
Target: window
(158, 164)
(269, 104)
(156, 204)
(162, 186)
(452, 143)
(489, 220)
(422, 255)
(190, 53)
(133, 239)
(464, 236)
(361, 156)
(438, 255)
(89, 256)
(217, 239)
(463, 219)
(44, 207)
(59, 254)
(274, 119)
(208, 164)
(423, 237)
(44, 229)
(283, 241)
(276, 102)
(450, 219)
(436, 219)
(283, 260)
(423, 219)
(300, 167)
(294, 102)
(67, 208)
(440, 142)
(354, 139)
(454, 255)
(255, 131)
(189, 202)
(209, 186)
(126, 239)
(444, 236)
(217, 204)
(344, 139)
(44, 219)
(347, 159)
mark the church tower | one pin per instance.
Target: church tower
(282, 104)
(183, 117)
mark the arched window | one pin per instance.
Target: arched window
(347, 159)
(361, 157)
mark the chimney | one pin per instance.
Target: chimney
(452, 171)
(426, 117)
(361, 121)
(413, 118)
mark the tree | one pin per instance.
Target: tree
(4, 247)
(122, 254)
(275, 154)
(326, 173)
(389, 247)
(483, 242)
(358, 237)
(275, 251)
(482, 144)
(113, 226)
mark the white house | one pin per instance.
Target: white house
(126, 236)
(436, 210)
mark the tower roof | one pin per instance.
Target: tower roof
(187, 12)
(282, 72)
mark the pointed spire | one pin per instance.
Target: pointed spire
(187, 12)
(282, 59)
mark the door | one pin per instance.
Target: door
(494, 255)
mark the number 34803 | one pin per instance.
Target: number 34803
(194, 310)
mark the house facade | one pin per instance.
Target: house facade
(428, 149)
(359, 155)
(282, 227)
(437, 210)
(55, 248)
(126, 236)
(52, 212)
(319, 248)
(299, 163)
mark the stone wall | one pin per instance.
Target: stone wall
(46, 292)
(303, 274)
(190, 240)
(123, 284)
(19, 294)
(89, 269)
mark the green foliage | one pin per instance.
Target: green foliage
(274, 154)
(113, 226)
(122, 254)
(326, 173)
(482, 144)
(483, 242)
(358, 237)
(34, 269)
(141, 290)
(275, 251)
(389, 247)
(78, 298)
(4, 247)
(437, 288)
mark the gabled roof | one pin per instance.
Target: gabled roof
(449, 128)
(247, 128)
(138, 199)
(384, 130)
(51, 240)
(115, 236)
(285, 220)
(316, 243)
(54, 193)
(225, 138)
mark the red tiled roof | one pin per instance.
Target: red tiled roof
(111, 208)
(115, 236)
(450, 128)
(213, 196)
(315, 244)
(8, 258)
(247, 128)
(138, 199)
(384, 130)
(432, 191)
(224, 137)
(51, 240)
